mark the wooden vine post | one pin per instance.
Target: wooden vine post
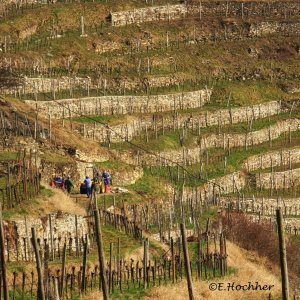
(63, 271)
(101, 255)
(2, 259)
(84, 265)
(187, 262)
(282, 252)
(173, 261)
(41, 290)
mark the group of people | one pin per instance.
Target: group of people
(64, 184)
(99, 184)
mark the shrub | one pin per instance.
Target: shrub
(261, 238)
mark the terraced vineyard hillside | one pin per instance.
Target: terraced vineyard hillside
(192, 107)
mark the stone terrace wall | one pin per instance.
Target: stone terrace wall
(216, 187)
(266, 206)
(4, 4)
(227, 184)
(44, 85)
(110, 105)
(292, 225)
(63, 227)
(208, 9)
(278, 180)
(147, 14)
(267, 28)
(223, 116)
(274, 158)
(237, 181)
(225, 140)
(22, 2)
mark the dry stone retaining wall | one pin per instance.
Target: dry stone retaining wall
(278, 180)
(292, 225)
(110, 105)
(147, 14)
(63, 228)
(237, 181)
(225, 140)
(216, 187)
(32, 85)
(264, 206)
(207, 9)
(23, 2)
(136, 127)
(274, 158)
(268, 28)
(124, 178)
(234, 31)
(45, 85)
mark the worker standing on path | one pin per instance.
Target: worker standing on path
(96, 183)
(88, 185)
(106, 178)
(69, 184)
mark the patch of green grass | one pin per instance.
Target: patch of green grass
(18, 295)
(114, 166)
(8, 156)
(3, 182)
(55, 158)
(296, 238)
(128, 294)
(247, 92)
(127, 243)
(102, 119)
(149, 186)
(277, 168)
(46, 192)
(11, 213)
(170, 140)
(120, 198)
(19, 268)
(8, 214)
(259, 193)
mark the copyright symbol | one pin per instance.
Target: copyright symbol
(213, 287)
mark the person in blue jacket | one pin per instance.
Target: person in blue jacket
(88, 185)
(107, 180)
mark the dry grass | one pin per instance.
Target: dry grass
(61, 201)
(137, 255)
(49, 201)
(250, 268)
(62, 137)
(95, 295)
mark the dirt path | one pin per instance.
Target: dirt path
(249, 268)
